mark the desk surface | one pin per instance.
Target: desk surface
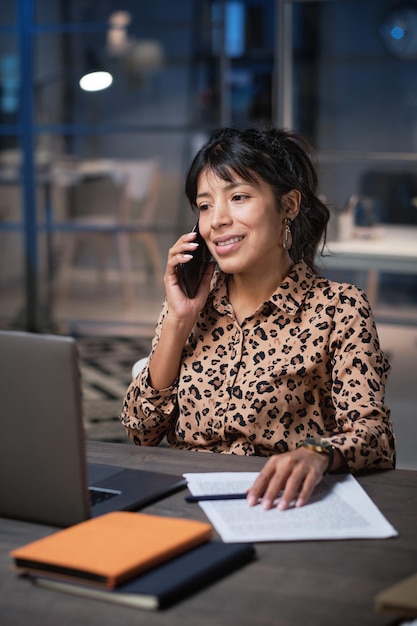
(290, 584)
(394, 249)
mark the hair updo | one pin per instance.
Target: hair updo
(281, 159)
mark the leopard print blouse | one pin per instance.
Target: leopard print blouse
(306, 363)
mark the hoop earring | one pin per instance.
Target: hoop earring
(287, 240)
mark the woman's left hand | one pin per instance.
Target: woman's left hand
(295, 473)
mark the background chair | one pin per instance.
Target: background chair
(138, 367)
(138, 184)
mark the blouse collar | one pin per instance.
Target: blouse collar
(289, 296)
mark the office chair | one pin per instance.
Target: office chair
(139, 183)
(138, 367)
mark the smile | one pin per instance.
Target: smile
(228, 242)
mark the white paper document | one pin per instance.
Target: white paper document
(338, 509)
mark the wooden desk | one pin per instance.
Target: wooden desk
(312, 583)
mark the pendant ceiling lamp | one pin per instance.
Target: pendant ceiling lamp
(95, 78)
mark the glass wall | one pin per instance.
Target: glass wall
(354, 69)
(339, 71)
(178, 70)
(355, 95)
(11, 240)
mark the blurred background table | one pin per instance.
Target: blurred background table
(387, 248)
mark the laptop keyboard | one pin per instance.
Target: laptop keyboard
(97, 496)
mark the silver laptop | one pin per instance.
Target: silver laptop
(44, 476)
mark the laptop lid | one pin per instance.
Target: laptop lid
(43, 473)
(43, 469)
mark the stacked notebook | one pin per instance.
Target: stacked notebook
(131, 558)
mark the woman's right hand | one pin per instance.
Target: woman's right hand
(179, 304)
(181, 316)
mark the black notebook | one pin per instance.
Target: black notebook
(168, 583)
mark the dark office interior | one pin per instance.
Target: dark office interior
(103, 104)
(340, 72)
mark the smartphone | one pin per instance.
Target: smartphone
(191, 273)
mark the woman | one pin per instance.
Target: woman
(268, 358)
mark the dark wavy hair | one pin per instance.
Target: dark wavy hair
(282, 159)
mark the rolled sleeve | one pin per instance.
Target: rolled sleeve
(148, 413)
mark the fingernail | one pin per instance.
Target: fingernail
(282, 505)
(266, 504)
(251, 500)
(299, 502)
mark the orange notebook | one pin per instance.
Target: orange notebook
(112, 548)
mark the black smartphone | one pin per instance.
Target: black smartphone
(191, 273)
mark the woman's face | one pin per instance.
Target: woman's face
(241, 223)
